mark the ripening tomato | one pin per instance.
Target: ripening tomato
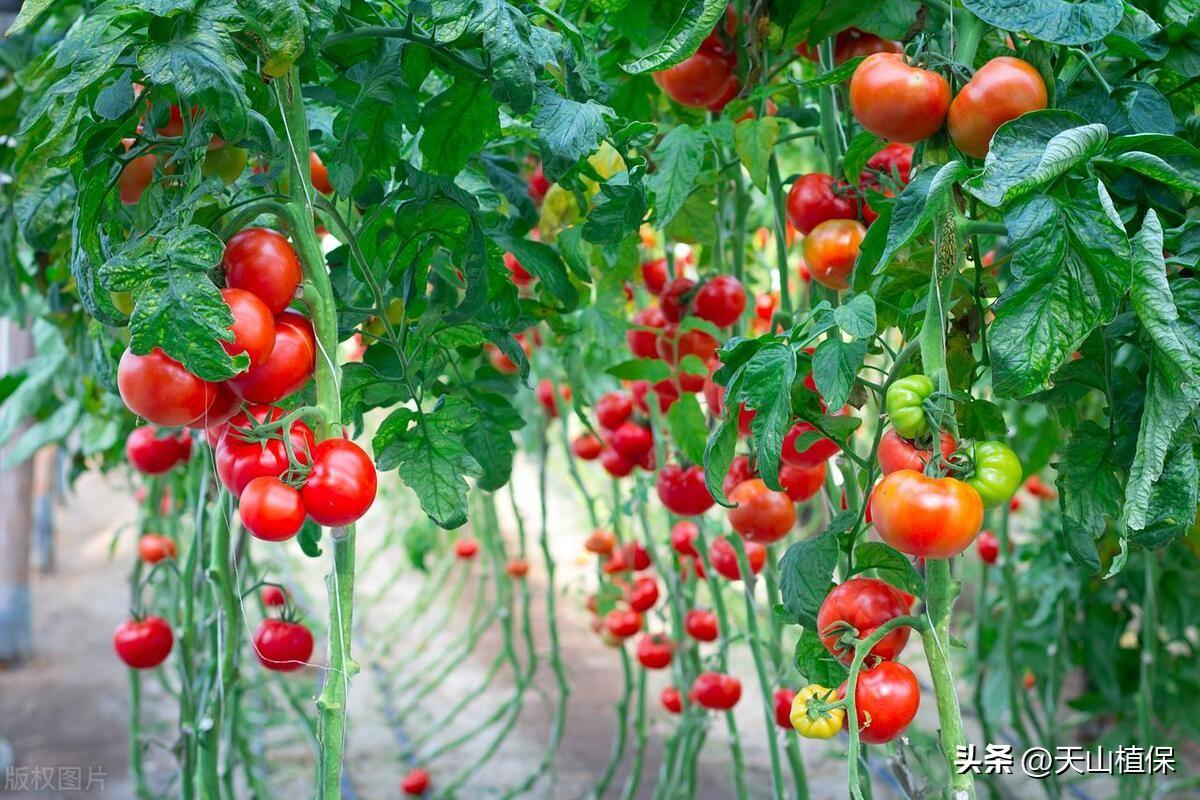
(224, 161)
(282, 646)
(672, 699)
(683, 491)
(273, 596)
(253, 326)
(765, 305)
(643, 594)
(655, 651)
(927, 517)
(271, 510)
(761, 514)
(151, 452)
(988, 547)
(886, 698)
(545, 396)
(143, 643)
(716, 691)
(723, 558)
(897, 453)
(831, 249)
(720, 300)
(341, 484)
(587, 446)
(517, 272)
(288, 367)
(1039, 488)
(896, 101)
(159, 389)
(631, 440)
(319, 173)
(600, 542)
(852, 43)
(698, 81)
(622, 623)
(654, 275)
(782, 700)
(262, 262)
(863, 604)
(517, 568)
(644, 343)
(814, 198)
(683, 538)
(677, 299)
(1001, 90)
(816, 453)
(615, 464)
(154, 547)
(415, 783)
(466, 548)
(242, 456)
(701, 625)
(802, 483)
(500, 360)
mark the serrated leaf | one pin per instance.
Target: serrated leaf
(835, 365)
(688, 427)
(678, 159)
(765, 385)
(1056, 21)
(815, 663)
(1031, 151)
(754, 140)
(857, 317)
(890, 565)
(695, 21)
(457, 123)
(806, 572)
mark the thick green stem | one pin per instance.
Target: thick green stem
(942, 592)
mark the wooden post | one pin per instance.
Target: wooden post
(16, 521)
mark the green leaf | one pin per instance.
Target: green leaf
(1055, 21)
(55, 428)
(835, 366)
(618, 213)
(1173, 498)
(890, 565)
(754, 140)
(926, 196)
(806, 571)
(512, 54)
(1138, 36)
(695, 22)
(857, 317)
(641, 369)
(490, 441)
(694, 223)
(567, 130)
(1070, 271)
(815, 663)
(678, 160)
(544, 263)
(842, 72)
(1166, 159)
(688, 427)
(765, 384)
(1089, 492)
(862, 147)
(278, 27)
(718, 455)
(457, 124)
(30, 11)
(429, 452)
(1033, 150)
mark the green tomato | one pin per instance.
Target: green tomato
(123, 301)
(227, 162)
(903, 402)
(997, 473)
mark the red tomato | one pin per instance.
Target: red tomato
(655, 651)
(816, 453)
(253, 326)
(698, 81)
(153, 453)
(886, 698)
(831, 249)
(341, 484)
(896, 452)
(654, 275)
(716, 691)
(683, 538)
(988, 547)
(864, 604)
(157, 388)
(676, 299)
(672, 700)
(894, 162)
(636, 555)
(718, 42)
(615, 464)
(545, 396)
(136, 175)
(1040, 489)
(154, 547)
(761, 514)
(927, 517)
(538, 184)
(613, 408)
(415, 783)
(262, 262)
(282, 646)
(765, 305)
(674, 346)
(143, 643)
(852, 43)
(501, 362)
(643, 594)
(289, 366)
(273, 596)
(740, 471)
(814, 199)
(723, 558)
(271, 510)
(224, 406)
(783, 707)
(1001, 90)
(587, 446)
(801, 483)
(601, 542)
(644, 344)
(896, 101)
(720, 300)
(701, 625)
(631, 441)
(319, 174)
(683, 491)
(517, 272)
(517, 568)
(466, 548)
(622, 623)
(240, 457)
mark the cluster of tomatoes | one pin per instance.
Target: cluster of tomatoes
(707, 78)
